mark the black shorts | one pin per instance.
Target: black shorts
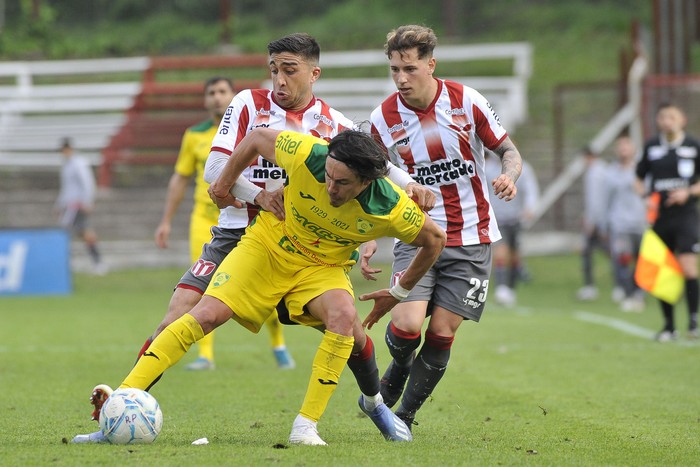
(510, 235)
(77, 220)
(680, 234)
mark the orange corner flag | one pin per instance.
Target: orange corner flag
(658, 271)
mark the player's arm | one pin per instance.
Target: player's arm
(431, 240)
(511, 167)
(177, 186)
(423, 196)
(244, 190)
(87, 182)
(681, 196)
(260, 141)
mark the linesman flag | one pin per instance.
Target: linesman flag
(658, 271)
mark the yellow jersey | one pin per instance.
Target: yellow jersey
(314, 230)
(194, 150)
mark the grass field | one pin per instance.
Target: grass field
(550, 382)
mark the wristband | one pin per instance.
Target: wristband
(398, 292)
(245, 190)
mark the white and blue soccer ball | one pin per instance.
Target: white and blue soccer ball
(131, 416)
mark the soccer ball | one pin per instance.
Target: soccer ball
(131, 416)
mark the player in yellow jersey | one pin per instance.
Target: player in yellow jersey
(194, 150)
(337, 197)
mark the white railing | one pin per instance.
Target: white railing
(35, 117)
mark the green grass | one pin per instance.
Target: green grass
(535, 385)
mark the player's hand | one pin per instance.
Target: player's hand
(424, 198)
(678, 197)
(223, 198)
(383, 303)
(504, 187)
(162, 235)
(272, 201)
(367, 250)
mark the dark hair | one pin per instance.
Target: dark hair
(668, 105)
(66, 143)
(407, 37)
(360, 152)
(298, 43)
(216, 79)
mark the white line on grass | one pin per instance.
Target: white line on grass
(618, 324)
(628, 328)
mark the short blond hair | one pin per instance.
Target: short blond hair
(411, 36)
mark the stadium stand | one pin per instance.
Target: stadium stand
(162, 110)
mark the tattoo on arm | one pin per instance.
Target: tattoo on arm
(511, 161)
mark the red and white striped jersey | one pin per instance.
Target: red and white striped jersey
(442, 147)
(255, 108)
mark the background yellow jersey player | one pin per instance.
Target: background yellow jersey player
(194, 150)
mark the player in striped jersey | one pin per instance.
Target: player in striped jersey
(437, 130)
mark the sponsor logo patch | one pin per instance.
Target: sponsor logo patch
(364, 226)
(220, 279)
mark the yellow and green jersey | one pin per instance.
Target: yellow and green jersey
(194, 150)
(316, 231)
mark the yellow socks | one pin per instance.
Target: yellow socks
(275, 328)
(166, 350)
(330, 359)
(206, 347)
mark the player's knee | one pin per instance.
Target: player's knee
(407, 324)
(341, 320)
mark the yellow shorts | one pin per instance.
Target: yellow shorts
(201, 222)
(254, 278)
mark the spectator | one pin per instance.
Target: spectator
(625, 222)
(594, 236)
(507, 260)
(76, 200)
